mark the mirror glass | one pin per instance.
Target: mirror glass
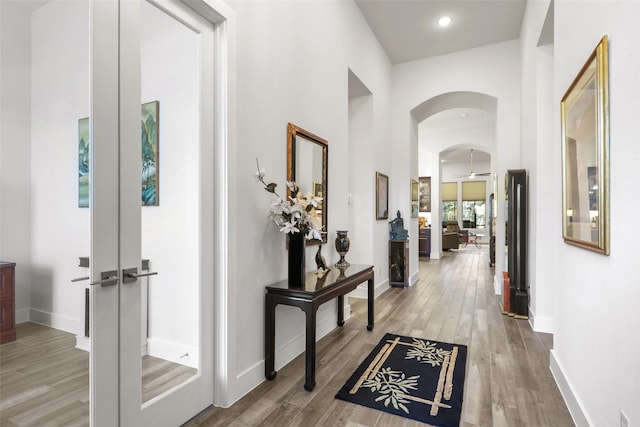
(46, 103)
(307, 166)
(170, 228)
(585, 156)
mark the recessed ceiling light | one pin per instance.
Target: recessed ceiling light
(444, 21)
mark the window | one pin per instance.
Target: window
(473, 213)
(449, 201)
(449, 211)
(473, 204)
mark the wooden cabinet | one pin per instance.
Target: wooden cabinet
(399, 263)
(424, 242)
(7, 302)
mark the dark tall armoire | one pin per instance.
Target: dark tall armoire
(492, 231)
(516, 187)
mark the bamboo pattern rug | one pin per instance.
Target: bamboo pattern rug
(412, 377)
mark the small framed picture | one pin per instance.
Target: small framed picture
(382, 196)
(425, 194)
(415, 191)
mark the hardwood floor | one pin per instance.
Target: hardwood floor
(44, 379)
(508, 382)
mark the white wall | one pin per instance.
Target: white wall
(538, 141)
(362, 198)
(293, 60)
(59, 97)
(490, 70)
(15, 167)
(596, 346)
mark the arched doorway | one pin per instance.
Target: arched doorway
(456, 141)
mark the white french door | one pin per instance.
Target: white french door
(152, 213)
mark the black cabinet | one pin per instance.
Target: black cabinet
(399, 263)
(516, 186)
(424, 242)
(492, 230)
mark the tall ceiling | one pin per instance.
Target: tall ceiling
(409, 30)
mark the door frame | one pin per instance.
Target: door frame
(224, 319)
(104, 356)
(106, 91)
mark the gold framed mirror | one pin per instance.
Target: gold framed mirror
(307, 156)
(585, 155)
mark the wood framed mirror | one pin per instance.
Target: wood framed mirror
(307, 156)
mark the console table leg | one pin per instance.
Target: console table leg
(370, 300)
(269, 338)
(310, 351)
(340, 310)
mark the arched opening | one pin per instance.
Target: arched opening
(456, 140)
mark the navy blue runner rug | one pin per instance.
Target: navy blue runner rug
(413, 378)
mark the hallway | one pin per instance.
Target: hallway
(508, 381)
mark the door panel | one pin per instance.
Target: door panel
(85, 60)
(166, 89)
(45, 105)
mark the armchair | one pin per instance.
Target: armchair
(450, 235)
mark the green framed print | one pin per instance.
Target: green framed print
(150, 172)
(83, 162)
(150, 155)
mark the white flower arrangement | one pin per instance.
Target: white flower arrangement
(297, 213)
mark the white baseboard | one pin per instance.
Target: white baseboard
(56, 321)
(346, 311)
(83, 343)
(254, 375)
(22, 316)
(573, 403)
(362, 291)
(540, 323)
(173, 352)
(414, 277)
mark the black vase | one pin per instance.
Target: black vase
(342, 247)
(296, 260)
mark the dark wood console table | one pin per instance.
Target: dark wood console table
(317, 291)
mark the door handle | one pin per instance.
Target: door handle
(130, 275)
(107, 278)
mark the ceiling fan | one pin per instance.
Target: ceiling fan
(472, 174)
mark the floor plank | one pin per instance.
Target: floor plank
(44, 379)
(508, 381)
